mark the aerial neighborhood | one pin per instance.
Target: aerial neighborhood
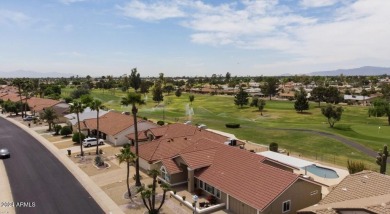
(195, 106)
(182, 155)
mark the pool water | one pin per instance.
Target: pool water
(322, 172)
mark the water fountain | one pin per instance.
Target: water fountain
(189, 112)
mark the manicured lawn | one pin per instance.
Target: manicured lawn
(216, 111)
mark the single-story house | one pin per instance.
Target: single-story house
(37, 105)
(240, 179)
(358, 99)
(86, 114)
(115, 126)
(361, 193)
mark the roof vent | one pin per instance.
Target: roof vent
(365, 176)
(344, 189)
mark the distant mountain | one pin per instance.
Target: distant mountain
(32, 74)
(362, 71)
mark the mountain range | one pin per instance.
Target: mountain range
(362, 71)
(33, 74)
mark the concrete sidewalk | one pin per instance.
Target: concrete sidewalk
(105, 202)
(5, 190)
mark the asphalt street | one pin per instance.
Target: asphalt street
(39, 182)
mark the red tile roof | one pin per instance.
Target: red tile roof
(230, 169)
(141, 136)
(173, 130)
(199, 159)
(38, 104)
(192, 132)
(171, 166)
(242, 175)
(111, 123)
(11, 96)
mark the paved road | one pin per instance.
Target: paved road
(37, 178)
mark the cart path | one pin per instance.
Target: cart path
(343, 140)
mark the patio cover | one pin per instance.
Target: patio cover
(292, 161)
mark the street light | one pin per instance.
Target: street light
(195, 199)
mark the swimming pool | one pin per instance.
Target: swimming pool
(322, 171)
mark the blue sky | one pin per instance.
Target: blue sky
(193, 38)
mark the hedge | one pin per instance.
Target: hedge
(232, 125)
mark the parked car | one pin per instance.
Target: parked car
(91, 141)
(4, 153)
(28, 118)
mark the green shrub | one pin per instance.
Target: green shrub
(160, 122)
(66, 130)
(76, 136)
(273, 147)
(99, 161)
(68, 99)
(232, 125)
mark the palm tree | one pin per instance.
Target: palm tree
(19, 84)
(96, 105)
(133, 99)
(49, 115)
(28, 92)
(150, 193)
(127, 156)
(78, 107)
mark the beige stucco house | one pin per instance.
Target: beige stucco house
(115, 126)
(361, 193)
(242, 180)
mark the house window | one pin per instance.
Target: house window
(209, 188)
(217, 193)
(164, 174)
(200, 184)
(286, 206)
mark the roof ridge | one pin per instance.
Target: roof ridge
(158, 145)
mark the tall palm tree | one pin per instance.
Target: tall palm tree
(133, 98)
(19, 84)
(28, 92)
(77, 108)
(127, 156)
(96, 105)
(49, 115)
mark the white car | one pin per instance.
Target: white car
(91, 141)
(4, 153)
(28, 118)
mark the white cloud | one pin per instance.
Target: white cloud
(67, 2)
(14, 17)
(151, 12)
(354, 32)
(318, 3)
